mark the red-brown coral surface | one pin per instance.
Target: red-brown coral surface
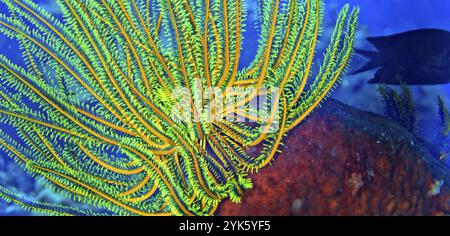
(342, 161)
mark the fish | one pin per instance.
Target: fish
(417, 57)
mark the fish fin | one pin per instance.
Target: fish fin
(369, 54)
(378, 78)
(374, 80)
(380, 42)
(374, 61)
(366, 67)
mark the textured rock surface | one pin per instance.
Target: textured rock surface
(343, 161)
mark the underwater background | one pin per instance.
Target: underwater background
(377, 18)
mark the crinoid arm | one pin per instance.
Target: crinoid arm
(94, 108)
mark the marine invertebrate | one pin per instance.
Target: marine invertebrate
(443, 138)
(95, 113)
(355, 171)
(399, 107)
(444, 116)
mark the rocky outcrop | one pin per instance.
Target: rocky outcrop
(343, 161)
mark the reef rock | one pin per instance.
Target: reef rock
(343, 161)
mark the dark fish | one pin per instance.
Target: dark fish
(418, 57)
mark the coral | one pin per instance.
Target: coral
(343, 161)
(113, 107)
(443, 139)
(399, 107)
(444, 115)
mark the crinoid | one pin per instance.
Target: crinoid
(140, 107)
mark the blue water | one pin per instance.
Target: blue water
(378, 18)
(381, 17)
(387, 17)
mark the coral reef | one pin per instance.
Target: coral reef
(399, 106)
(343, 161)
(95, 109)
(444, 115)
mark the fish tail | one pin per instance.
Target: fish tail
(374, 61)
(366, 53)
